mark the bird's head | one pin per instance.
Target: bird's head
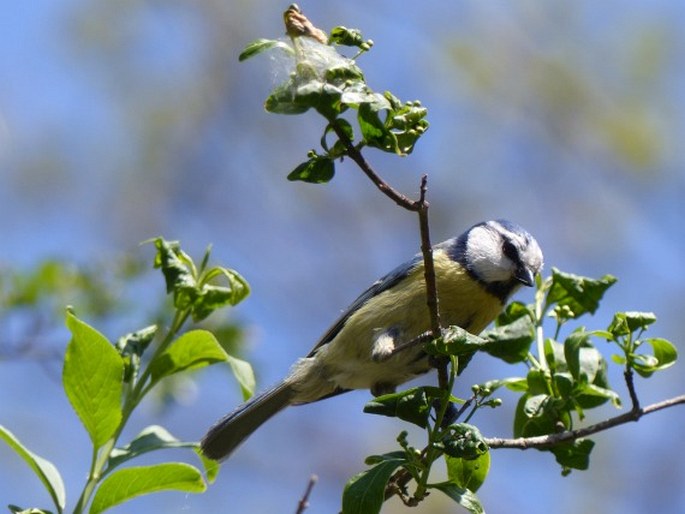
(501, 255)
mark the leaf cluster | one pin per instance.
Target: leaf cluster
(331, 84)
(105, 381)
(565, 378)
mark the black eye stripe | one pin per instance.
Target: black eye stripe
(511, 251)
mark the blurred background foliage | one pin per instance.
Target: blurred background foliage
(124, 120)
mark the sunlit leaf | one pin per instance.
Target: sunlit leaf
(242, 370)
(149, 439)
(319, 169)
(93, 378)
(192, 350)
(43, 468)
(346, 37)
(575, 295)
(178, 270)
(128, 483)
(456, 341)
(665, 355)
(412, 405)
(364, 493)
(468, 473)
(625, 323)
(510, 342)
(261, 45)
(467, 499)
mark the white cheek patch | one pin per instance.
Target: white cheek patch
(484, 253)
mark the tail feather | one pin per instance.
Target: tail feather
(234, 428)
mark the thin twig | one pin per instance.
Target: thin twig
(421, 339)
(628, 375)
(304, 501)
(421, 207)
(429, 265)
(398, 482)
(548, 441)
(429, 276)
(385, 188)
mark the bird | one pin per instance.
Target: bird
(476, 273)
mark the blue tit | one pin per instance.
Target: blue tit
(476, 273)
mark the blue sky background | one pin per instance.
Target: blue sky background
(122, 121)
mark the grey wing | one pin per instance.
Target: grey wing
(376, 288)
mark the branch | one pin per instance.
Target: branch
(421, 207)
(630, 384)
(429, 267)
(548, 441)
(304, 501)
(355, 154)
(431, 287)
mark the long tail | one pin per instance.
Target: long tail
(234, 428)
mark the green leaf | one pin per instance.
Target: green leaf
(137, 342)
(412, 405)
(373, 129)
(211, 466)
(510, 342)
(235, 290)
(131, 347)
(260, 45)
(665, 354)
(514, 311)
(43, 468)
(464, 441)
(358, 93)
(193, 350)
(93, 379)
(322, 96)
(564, 383)
(281, 101)
(468, 474)
(589, 396)
(128, 483)
(537, 382)
(462, 496)
(198, 292)
(319, 169)
(540, 415)
(346, 37)
(372, 460)
(625, 323)
(178, 270)
(149, 439)
(582, 358)
(554, 353)
(573, 455)
(516, 384)
(212, 296)
(365, 493)
(575, 295)
(339, 148)
(456, 341)
(244, 374)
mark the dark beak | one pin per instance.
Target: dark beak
(525, 276)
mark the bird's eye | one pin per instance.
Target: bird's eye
(510, 251)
